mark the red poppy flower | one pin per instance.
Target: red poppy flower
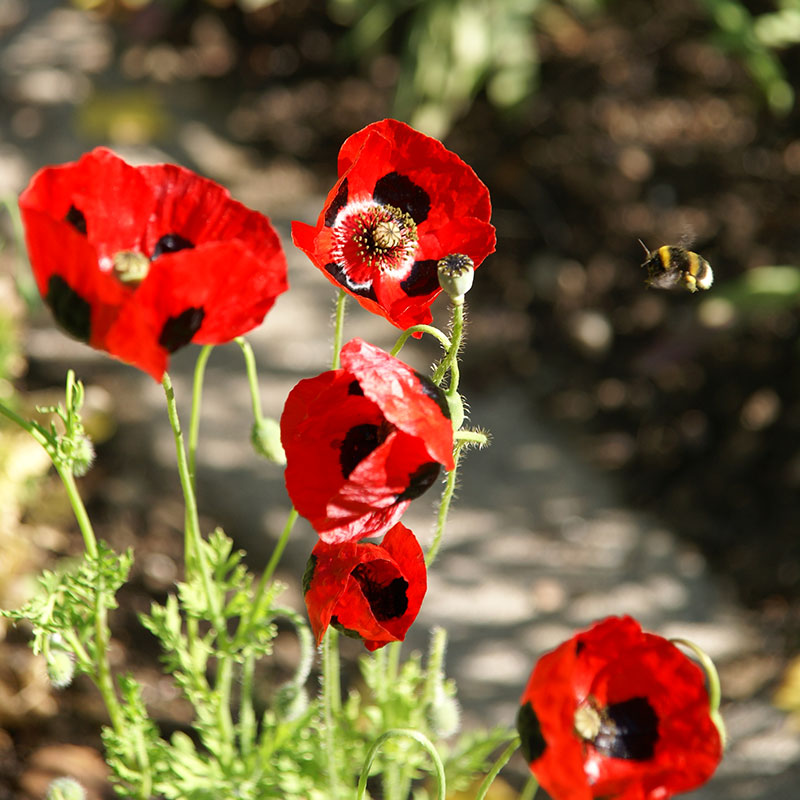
(402, 202)
(369, 591)
(618, 713)
(363, 441)
(140, 261)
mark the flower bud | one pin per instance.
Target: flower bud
(444, 713)
(291, 702)
(60, 668)
(82, 455)
(266, 440)
(456, 405)
(456, 273)
(65, 789)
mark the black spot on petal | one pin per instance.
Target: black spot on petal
(170, 243)
(332, 211)
(420, 480)
(71, 311)
(308, 575)
(340, 276)
(401, 192)
(430, 389)
(358, 443)
(386, 600)
(579, 647)
(423, 278)
(76, 218)
(629, 730)
(178, 331)
(355, 388)
(530, 733)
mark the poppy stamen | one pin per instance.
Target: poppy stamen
(131, 267)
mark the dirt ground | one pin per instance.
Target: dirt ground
(640, 128)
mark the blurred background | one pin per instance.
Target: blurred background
(595, 124)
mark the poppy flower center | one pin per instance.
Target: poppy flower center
(369, 236)
(131, 267)
(626, 730)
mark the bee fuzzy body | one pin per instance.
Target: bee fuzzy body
(672, 267)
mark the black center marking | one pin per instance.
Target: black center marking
(530, 733)
(386, 600)
(355, 389)
(358, 443)
(71, 311)
(420, 481)
(423, 278)
(397, 190)
(308, 575)
(430, 389)
(170, 243)
(629, 730)
(341, 277)
(76, 218)
(178, 331)
(332, 211)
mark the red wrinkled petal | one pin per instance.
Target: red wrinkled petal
(332, 589)
(352, 491)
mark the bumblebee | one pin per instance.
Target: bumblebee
(672, 267)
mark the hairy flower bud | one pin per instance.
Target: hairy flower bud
(65, 789)
(60, 668)
(456, 273)
(444, 713)
(82, 455)
(291, 702)
(266, 440)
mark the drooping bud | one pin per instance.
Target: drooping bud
(65, 789)
(291, 702)
(81, 455)
(456, 273)
(60, 667)
(266, 440)
(456, 405)
(444, 713)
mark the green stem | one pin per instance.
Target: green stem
(338, 327)
(495, 770)
(450, 360)
(412, 734)
(200, 562)
(79, 510)
(530, 789)
(26, 285)
(197, 396)
(224, 719)
(471, 437)
(404, 336)
(247, 714)
(252, 377)
(434, 671)
(444, 507)
(331, 705)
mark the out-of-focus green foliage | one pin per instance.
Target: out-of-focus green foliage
(451, 50)
(755, 38)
